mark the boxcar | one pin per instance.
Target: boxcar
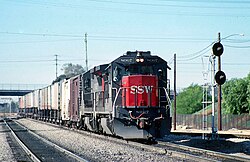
(75, 99)
(65, 101)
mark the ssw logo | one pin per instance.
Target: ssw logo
(140, 89)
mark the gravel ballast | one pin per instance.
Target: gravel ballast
(5, 150)
(92, 148)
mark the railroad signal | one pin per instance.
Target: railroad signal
(218, 49)
(220, 77)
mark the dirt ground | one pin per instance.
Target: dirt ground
(236, 146)
(181, 128)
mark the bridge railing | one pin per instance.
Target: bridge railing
(8, 86)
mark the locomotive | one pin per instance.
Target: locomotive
(128, 97)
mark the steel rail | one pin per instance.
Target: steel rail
(24, 147)
(152, 148)
(171, 153)
(204, 152)
(72, 155)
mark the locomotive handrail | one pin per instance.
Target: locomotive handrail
(116, 96)
(168, 98)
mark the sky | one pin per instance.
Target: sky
(32, 32)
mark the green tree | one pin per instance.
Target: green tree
(189, 100)
(71, 70)
(248, 91)
(236, 96)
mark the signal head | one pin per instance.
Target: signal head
(218, 49)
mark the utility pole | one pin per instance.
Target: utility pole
(214, 131)
(86, 51)
(174, 91)
(56, 64)
(219, 91)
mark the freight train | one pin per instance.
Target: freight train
(128, 97)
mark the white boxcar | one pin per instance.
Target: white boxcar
(36, 98)
(43, 98)
(65, 100)
(41, 102)
(29, 100)
(54, 96)
(22, 102)
(49, 98)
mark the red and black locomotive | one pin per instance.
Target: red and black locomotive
(128, 98)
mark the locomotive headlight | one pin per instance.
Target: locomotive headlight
(139, 59)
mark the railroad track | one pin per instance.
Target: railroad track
(17, 151)
(166, 148)
(38, 148)
(169, 149)
(217, 156)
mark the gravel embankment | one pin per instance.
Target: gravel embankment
(234, 146)
(5, 150)
(91, 148)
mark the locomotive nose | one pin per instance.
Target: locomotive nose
(140, 90)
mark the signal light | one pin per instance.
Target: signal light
(218, 49)
(220, 77)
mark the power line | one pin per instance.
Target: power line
(103, 60)
(70, 5)
(196, 54)
(236, 46)
(194, 57)
(150, 38)
(199, 53)
(41, 34)
(58, 60)
(211, 1)
(40, 41)
(138, 10)
(169, 5)
(103, 37)
(24, 61)
(226, 64)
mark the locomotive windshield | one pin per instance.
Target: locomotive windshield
(135, 69)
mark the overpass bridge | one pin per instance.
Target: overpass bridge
(18, 89)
